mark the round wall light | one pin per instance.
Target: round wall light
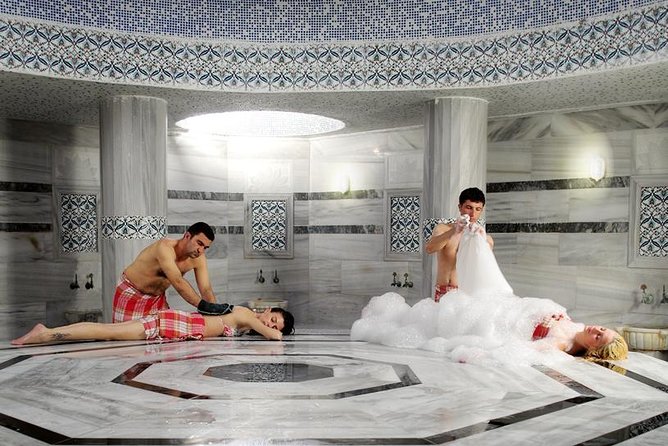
(261, 123)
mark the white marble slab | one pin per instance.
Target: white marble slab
(25, 161)
(347, 212)
(650, 156)
(187, 212)
(593, 249)
(26, 207)
(346, 246)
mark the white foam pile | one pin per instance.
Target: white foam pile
(483, 321)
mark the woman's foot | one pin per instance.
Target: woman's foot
(32, 337)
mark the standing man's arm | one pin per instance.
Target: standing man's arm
(203, 282)
(167, 262)
(443, 234)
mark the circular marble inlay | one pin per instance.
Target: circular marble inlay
(270, 372)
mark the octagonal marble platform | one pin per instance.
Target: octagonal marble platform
(318, 388)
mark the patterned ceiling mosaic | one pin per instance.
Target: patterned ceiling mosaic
(315, 21)
(629, 38)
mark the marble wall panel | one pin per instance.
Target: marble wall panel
(197, 173)
(243, 273)
(325, 276)
(569, 157)
(16, 319)
(187, 212)
(593, 249)
(25, 207)
(346, 246)
(508, 161)
(505, 247)
(235, 213)
(360, 147)
(347, 212)
(618, 289)
(331, 176)
(49, 133)
(301, 209)
(552, 282)
(76, 166)
(519, 128)
(537, 249)
(630, 117)
(375, 278)
(406, 139)
(650, 152)
(38, 281)
(546, 206)
(25, 246)
(261, 175)
(598, 204)
(25, 161)
(404, 170)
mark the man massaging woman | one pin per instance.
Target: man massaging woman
(170, 324)
(162, 264)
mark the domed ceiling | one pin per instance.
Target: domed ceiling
(371, 64)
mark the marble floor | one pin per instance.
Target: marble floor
(318, 388)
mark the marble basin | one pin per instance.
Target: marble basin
(641, 338)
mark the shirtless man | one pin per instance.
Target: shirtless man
(162, 264)
(445, 239)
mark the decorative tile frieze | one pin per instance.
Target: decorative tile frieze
(590, 45)
(134, 227)
(78, 223)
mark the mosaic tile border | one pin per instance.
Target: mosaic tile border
(134, 227)
(630, 38)
(303, 21)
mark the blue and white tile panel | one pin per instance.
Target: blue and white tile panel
(134, 227)
(653, 240)
(269, 225)
(405, 224)
(78, 223)
(630, 38)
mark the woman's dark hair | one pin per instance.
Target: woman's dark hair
(201, 228)
(288, 320)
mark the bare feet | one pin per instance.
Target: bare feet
(32, 337)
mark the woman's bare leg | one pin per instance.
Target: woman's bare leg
(123, 331)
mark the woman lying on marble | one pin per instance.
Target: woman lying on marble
(484, 320)
(170, 325)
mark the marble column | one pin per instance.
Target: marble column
(133, 158)
(455, 158)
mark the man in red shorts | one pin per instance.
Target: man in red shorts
(162, 264)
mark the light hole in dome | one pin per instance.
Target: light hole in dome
(261, 123)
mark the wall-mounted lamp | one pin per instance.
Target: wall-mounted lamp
(596, 168)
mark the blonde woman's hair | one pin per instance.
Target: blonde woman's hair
(616, 349)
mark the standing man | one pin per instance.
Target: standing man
(445, 238)
(162, 264)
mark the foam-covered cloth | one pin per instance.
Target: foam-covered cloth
(481, 321)
(130, 303)
(173, 324)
